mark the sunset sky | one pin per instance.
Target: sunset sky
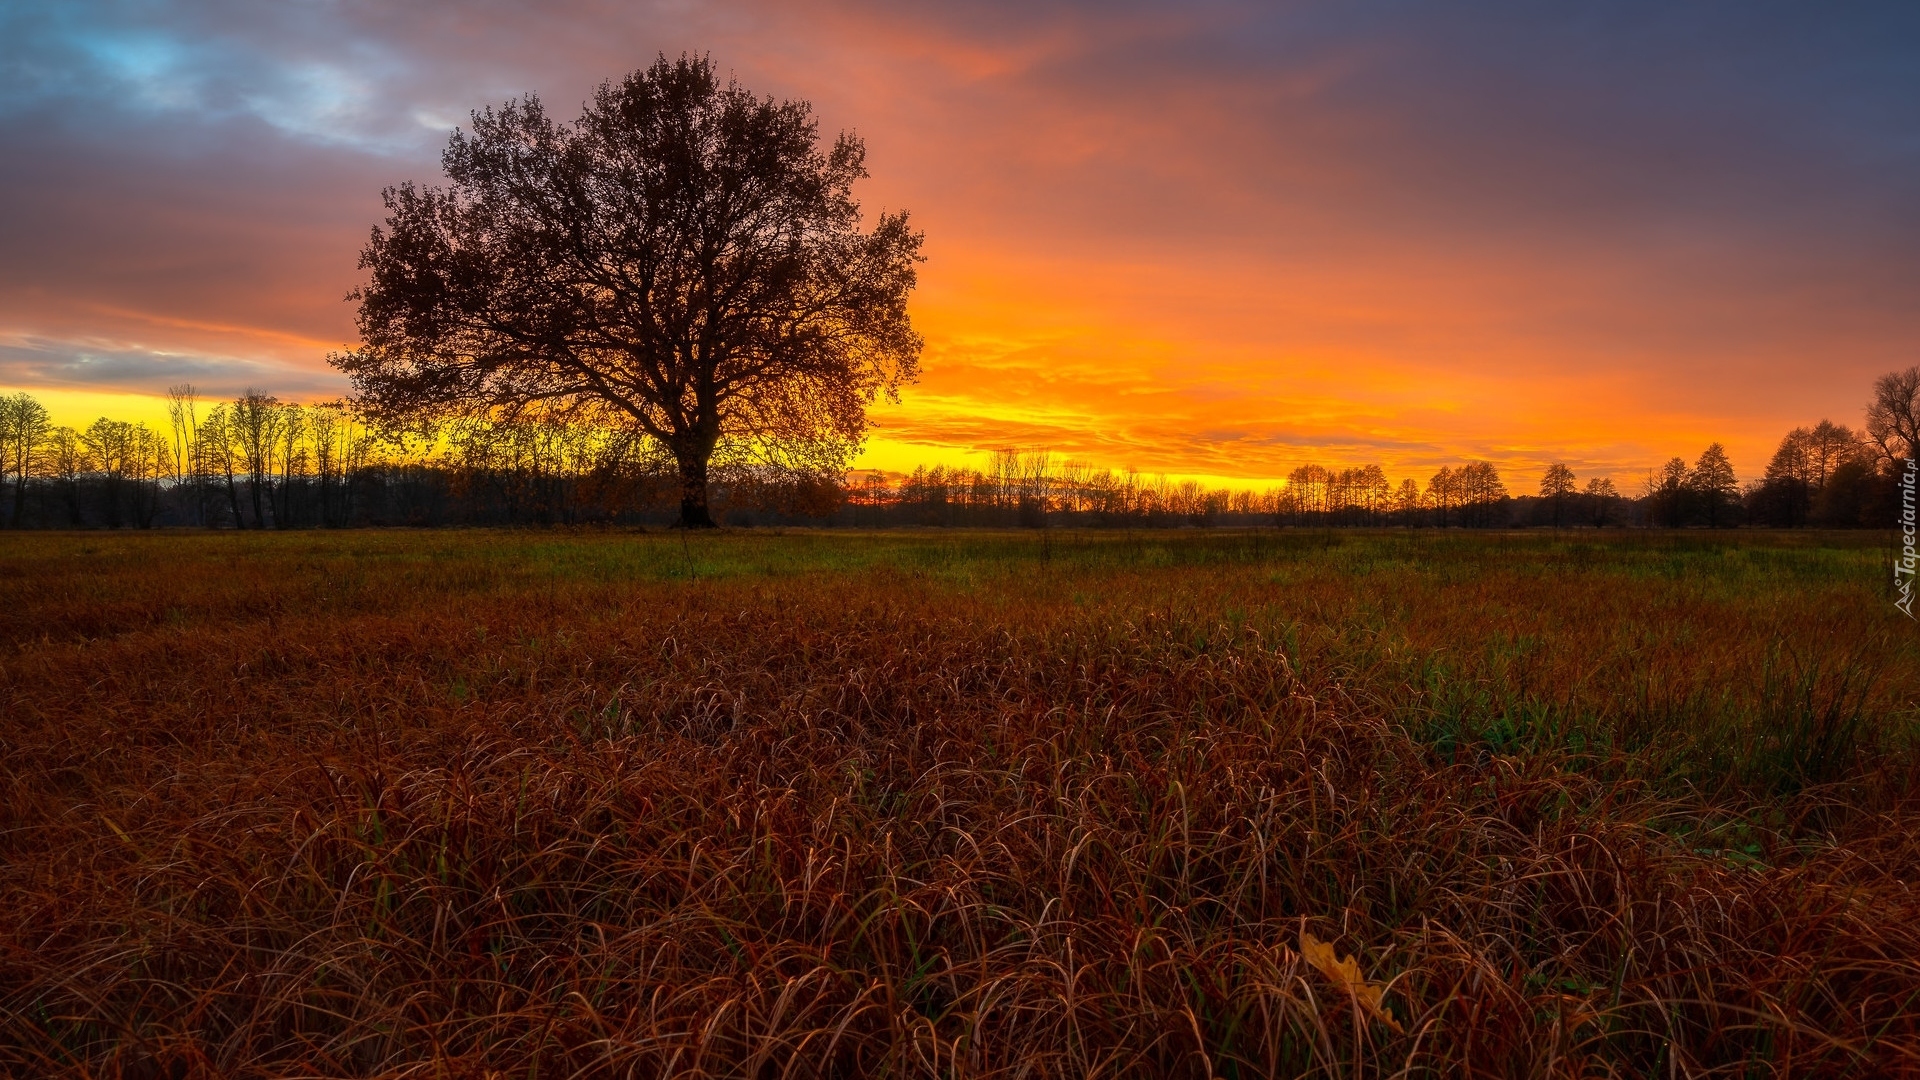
(1209, 239)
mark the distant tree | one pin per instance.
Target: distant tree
(1187, 501)
(221, 458)
(1829, 446)
(1406, 500)
(683, 260)
(67, 461)
(1601, 497)
(1343, 496)
(111, 448)
(255, 424)
(189, 477)
(1802, 466)
(1712, 480)
(291, 452)
(1310, 487)
(1557, 487)
(1481, 493)
(338, 449)
(1373, 491)
(1442, 494)
(1893, 416)
(24, 427)
(1855, 494)
(183, 419)
(1074, 480)
(1035, 487)
(1785, 494)
(149, 462)
(1667, 492)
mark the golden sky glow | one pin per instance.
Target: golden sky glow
(1214, 240)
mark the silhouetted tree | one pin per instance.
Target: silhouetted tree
(1034, 480)
(1667, 493)
(1830, 445)
(1442, 494)
(1785, 494)
(221, 457)
(1368, 492)
(683, 261)
(1848, 498)
(1893, 416)
(1481, 493)
(1309, 486)
(110, 448)
(1713, 481)
(1801, 468)
(254, 425)
(1602, 498)
(66, 460)
(1557, 486)
(24, 427)
(1406, 500)
(189, 467)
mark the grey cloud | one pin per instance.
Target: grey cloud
(31, 363)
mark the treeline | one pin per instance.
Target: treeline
(1825, 476)
(1033, 488)
(1030, 489)
(257, 462)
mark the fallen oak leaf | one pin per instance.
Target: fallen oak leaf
(1345, 973)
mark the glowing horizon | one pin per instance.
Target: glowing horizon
(1209, 241)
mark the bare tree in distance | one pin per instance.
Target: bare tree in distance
(1310, 486)
(1666, 492)
(1893, 416)
(1829, 446)
(683, 260)
(1601, 497)
(255, 423)
(67, 459)
(1406, 500)
(1806, 459)
(1036, 487)
(24, 428)
(183, 420)
(1557, 486)
(1443, 492)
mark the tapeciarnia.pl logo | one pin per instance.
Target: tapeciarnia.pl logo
(1903, 566)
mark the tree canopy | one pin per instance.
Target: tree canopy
(684, 261)
(1893, 416)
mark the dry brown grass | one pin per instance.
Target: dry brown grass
(454, 804)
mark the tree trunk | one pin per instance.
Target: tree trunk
(233, 500)
(693, 494)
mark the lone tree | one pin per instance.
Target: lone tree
(684, 261)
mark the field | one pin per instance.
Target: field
(956, 804)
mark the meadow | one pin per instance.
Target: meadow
(926, 803)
